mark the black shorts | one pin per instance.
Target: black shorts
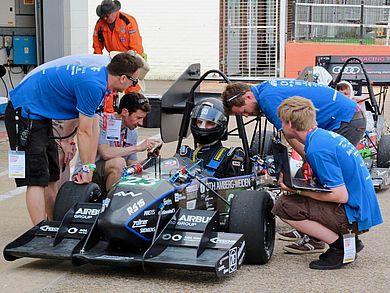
(41, 152)
(353, 130)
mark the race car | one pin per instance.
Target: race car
(163, 213)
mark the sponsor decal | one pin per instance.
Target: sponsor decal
(135, 207)
(222, 241)
(132, 32)
(191, 204)
(194, 219)
(164, 212)
(132, 194)
(347, 70)
(86, 213)
(73, 230)
(240, 250)
(149, 212)
(192, 188)
(241, 259)
(139, 223)
(48, 228)
(167, 201)
(179, 197)
(105, 204)
(232, 259)
(167, 212)
(178, 237)
(122, 40)
(148, 230)
(236, 163)
(223, 259)
(227, 184)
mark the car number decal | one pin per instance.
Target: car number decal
(139, 181)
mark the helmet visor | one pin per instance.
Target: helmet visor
(208, 113)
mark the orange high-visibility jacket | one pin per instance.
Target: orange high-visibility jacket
(124, 37)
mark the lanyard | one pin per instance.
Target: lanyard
(122, 143)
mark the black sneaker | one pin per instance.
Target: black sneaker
(332, 260)
(359, 247)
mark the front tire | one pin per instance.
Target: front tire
(250, 214)
(71, 193)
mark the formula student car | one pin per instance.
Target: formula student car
(164, 213)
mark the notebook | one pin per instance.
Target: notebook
(282, 161)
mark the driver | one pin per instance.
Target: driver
(208, 127)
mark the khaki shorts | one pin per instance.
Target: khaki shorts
(298, 208)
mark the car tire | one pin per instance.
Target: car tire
(250, 214)
(383, 158)
(254, 148)
(71, 193)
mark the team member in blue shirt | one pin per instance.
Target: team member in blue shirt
(334, 111)
(351, 202)
(61, 93)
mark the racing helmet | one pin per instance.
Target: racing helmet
(209, 110)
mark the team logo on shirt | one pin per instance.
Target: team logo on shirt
(132, 32)
(123, 29)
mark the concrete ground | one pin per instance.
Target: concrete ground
(284, 273)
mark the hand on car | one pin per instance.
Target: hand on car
(82, 177)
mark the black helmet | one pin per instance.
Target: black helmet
(209, 110)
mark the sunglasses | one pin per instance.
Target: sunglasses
(231, 99)
(135, 81)
(143, 101)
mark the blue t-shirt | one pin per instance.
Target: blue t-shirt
(332, 107)
(336, 162)
(61, 93)
(80, 59)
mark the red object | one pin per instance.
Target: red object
(307, 171)
(137, 168)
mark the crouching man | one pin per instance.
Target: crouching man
(118, 141)
(351, 204)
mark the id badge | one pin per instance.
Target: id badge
(349, 248)
(16, 164)
(113, 131)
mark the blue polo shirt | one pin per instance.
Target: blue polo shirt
(332, 108)
(336, 162)
(61, 93)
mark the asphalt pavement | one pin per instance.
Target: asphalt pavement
(284, 273)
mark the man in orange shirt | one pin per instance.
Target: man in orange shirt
(115, 30)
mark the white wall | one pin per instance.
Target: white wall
(76, 27)
(176, 33)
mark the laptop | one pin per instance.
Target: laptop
(282, 161)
